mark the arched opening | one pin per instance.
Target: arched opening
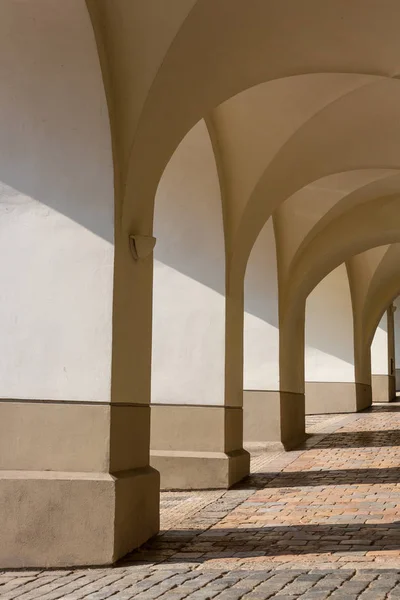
(330, 384)
(195, 434)
(261, 397)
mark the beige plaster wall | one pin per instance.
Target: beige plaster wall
(196, 428)
(198, 447)
(70, 436)
(272, 417)
(261, 417)
(336, 397)
(383, 388)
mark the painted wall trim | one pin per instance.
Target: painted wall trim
(72, 402)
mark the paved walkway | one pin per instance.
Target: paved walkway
(319, 522)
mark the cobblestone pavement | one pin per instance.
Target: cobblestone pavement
(315, 523)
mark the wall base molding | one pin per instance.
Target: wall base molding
(330, 397)
(198, 447)
(200, 470)
(273, 417)
(397, 376)
(383, 388)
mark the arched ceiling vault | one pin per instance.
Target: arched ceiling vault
(255, 125)
(166, 76)
(376, 222)
(320, 112)
(310, 210)
(358, 131)
(316, 217)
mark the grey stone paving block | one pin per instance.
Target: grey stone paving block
(86, 583)
(315, 595)
(38, 587)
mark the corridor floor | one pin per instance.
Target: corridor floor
(319, 522)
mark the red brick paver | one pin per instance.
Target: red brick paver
(334, 502)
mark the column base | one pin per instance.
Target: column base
(75, 485)
(198, 447)
(383, 388)
(64, 519)
(200, 470)
(330, 397)
(273, 419)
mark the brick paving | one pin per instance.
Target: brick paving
(315, 523)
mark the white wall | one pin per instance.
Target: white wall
(329, 351)
(261, 327)
(56, 206)
(379, 349)
(188, 362)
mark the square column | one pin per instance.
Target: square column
(75, 484)
(198, 447)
